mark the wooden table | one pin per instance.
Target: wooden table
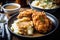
(51, 37)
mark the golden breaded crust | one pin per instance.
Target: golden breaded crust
(26, 13)
(41, 22)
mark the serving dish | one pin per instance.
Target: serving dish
(40, 9)
(50, 16)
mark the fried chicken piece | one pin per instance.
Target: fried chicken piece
(26, 13)
(41, 22)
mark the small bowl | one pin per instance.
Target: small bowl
(10, 11)
(40, 9)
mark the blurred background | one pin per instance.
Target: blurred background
(21, 2)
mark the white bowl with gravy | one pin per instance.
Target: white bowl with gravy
(11, 8)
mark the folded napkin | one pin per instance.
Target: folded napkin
(5, 35)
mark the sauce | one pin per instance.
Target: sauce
(10, 7)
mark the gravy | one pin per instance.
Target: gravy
(10, 7)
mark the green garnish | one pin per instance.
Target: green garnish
(47, 1)
(39, 1)
(42, 19)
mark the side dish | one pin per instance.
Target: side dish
(44, 4)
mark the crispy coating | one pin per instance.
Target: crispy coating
(41, 22)
(26, 13)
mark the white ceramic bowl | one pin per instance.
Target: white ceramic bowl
(10, 11)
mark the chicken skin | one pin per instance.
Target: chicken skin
(26, 13)
(41, 23)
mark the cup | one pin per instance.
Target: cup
(11, 8)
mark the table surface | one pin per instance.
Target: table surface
(55, 35)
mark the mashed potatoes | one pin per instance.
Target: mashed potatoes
(22, 26)
(43, 4)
